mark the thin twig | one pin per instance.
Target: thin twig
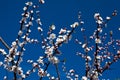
(47, 65)
(4, 43)
(57, 71)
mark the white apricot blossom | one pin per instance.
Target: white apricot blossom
(52, 36)
(84, 78)
(74, 25)
(42, 1)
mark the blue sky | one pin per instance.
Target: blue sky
(62, 13)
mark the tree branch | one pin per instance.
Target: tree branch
(4, 43)
(58, 74)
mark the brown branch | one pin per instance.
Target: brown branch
(57, 71)
(4, 43)
(47, 65)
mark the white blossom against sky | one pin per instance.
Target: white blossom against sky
(63, 14)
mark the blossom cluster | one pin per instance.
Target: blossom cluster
(50, 44)
(104, 49)
(100, 50)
